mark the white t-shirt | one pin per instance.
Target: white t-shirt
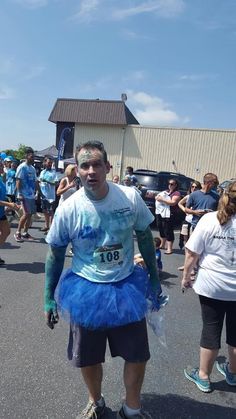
(101, 232)
(216, 246)
(67, 193)
(162, 208)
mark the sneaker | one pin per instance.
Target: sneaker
(192, 374)
(223, 368)
(141, 415)
(27, 236)
(92, 411)
(17, 237)
(2, 262)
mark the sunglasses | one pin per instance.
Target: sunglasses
(172, 184)
(193, 187)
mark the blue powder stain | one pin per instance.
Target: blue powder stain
(90, 233)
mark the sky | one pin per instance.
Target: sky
(174, 59)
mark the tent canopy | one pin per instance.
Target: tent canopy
(50, 151)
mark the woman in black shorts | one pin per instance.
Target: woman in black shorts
(213, 244)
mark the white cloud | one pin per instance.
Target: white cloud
(164, 8)
(152, 110)
(87, 10)
(34, 72)
(6, 92)
(32, 4)
(135, 76)
(133, 36)
(90, 10)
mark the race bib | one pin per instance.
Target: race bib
(106, 257)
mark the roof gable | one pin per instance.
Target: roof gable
(94, 112)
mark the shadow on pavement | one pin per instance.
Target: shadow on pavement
(173, 406)
(33, 268)
(8, 245)
(164, 276)
(178, 407)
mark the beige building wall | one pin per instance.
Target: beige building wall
(111, 137)
(192, 152)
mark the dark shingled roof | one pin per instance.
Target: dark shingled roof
(94, 112)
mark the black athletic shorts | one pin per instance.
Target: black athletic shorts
(88, 347)
(213, 314)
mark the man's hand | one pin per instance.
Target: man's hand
(51, 318)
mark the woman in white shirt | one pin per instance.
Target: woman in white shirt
(68, 184)
(213, 244)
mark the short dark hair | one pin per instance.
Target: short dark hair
(47, 158)
(29, 150)
(92, 144)
(130, 169)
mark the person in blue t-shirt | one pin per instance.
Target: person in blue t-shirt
(4, 225)
(203, 201)
(47, 184)
(26, 184)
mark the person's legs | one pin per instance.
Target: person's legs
(4, 230)
(47, 220)
(131, 343)
(231, 334)
(213, 312)
(27, 223)
(133, 380)
(207, 359)
(169, 234)
(232, 359)
(93, 379)
(86, 350)
(159, 223)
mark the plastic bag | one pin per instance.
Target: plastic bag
(156, 319)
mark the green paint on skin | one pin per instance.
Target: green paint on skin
(84, 156)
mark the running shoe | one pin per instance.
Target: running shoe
(27, 236)
(93, 411)
(223, 368)
(192, 374)
(17, 237)
(141, 415)
(2, 262)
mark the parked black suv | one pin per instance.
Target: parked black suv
(152, 182)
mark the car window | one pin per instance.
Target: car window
(148, 181)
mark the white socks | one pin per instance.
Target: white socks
(130, 412)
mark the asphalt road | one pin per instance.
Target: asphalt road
(37, 381)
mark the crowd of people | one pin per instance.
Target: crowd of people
(103, 295)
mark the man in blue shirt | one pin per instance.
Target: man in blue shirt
(26, 185)
(204, 200)
(48, 179)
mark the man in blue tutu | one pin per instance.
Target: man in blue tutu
(103, 296)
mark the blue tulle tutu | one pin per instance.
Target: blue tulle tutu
(102, 305)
